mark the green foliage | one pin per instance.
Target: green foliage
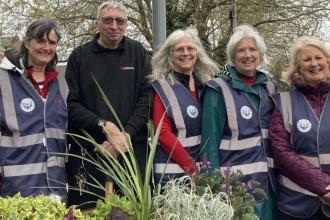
(230, 183)
(103, 207)
(33, 208)
(133, 184)
(180, 201)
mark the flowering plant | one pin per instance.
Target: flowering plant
(231, 183)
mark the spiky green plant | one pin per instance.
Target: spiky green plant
(127, 175)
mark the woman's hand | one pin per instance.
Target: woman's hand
(327, 195)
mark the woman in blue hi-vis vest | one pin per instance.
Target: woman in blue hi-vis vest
(299, 131)
(235, 116)
(33, 116)
(180, 70)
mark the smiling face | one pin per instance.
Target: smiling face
(247, 57)
(42, 51)
(313, 65)
(112, 25)
(184, 56)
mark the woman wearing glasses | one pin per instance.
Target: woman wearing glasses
(180, 70)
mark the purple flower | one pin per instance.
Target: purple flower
(227, 173)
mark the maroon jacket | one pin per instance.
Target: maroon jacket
(286, 159)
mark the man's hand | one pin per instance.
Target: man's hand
(110, 149)
(115, 137)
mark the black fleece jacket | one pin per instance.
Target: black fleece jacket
(121, 73)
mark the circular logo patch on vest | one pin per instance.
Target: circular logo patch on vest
(27, 105)
(246, 112)
(304, 125)
(192, 111)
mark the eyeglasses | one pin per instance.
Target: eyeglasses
(119, 21)
(181, 50)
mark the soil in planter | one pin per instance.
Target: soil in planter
(117, 214)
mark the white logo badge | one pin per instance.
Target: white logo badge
(304, 125)
(192, 111)
(246, 112)
(27, 105)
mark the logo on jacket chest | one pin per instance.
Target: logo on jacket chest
(192, 111)
(246, 112)
(304, 125)
(27, 105)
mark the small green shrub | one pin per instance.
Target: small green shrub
(33, 208)
(104, 207)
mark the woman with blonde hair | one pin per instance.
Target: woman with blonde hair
(299, 132)
(180, 70)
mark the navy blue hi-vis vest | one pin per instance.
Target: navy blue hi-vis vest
(245, 143)
(186, 115)
(310, 139)
(32, 130)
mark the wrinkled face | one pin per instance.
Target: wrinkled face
(313, 65)
(247, 57)
(184, 56)
(42, 51)
(112, 25)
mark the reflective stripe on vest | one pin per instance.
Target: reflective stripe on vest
(40, 142)
(34, 168)
(234, 148)
(311, 142)
(23, 141)
(174, 109)
(8, 107)
(177, 117)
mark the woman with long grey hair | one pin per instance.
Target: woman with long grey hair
(180, 70)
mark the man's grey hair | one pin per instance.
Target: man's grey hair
(111, 5)
(246, 32)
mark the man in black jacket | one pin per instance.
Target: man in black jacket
(120, 65)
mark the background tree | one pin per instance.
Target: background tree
(279, 21)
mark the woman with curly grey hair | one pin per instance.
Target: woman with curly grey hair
(180, 70)
(236, 109)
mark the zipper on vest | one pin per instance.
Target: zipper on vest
(44, 140)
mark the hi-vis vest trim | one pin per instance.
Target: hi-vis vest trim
(34, 168)
(178, 118)
(246, 134)
(177, 100)
(293, 186)
(22, 141)
(311, 142)
(9, 110)
(168, 168)
(32, 136)
(286, 112)
(247, 169)
(235, 143)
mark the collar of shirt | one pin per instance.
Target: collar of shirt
(50, 75)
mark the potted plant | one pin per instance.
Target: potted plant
(240, 193)
(180, 200)
(134, 187)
